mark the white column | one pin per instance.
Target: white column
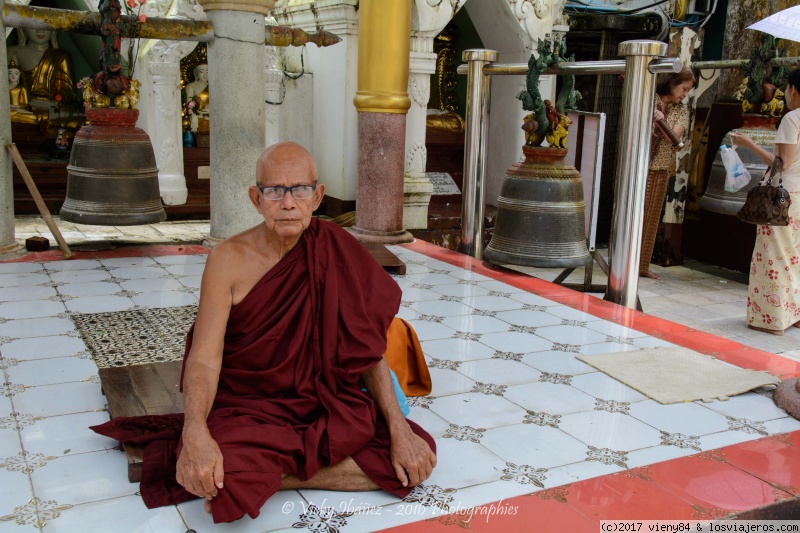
(417, 188)
(236, 81)
(8, 244)
(275, 93)
(160, 115)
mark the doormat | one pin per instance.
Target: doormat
(672, 375)
(137, 337)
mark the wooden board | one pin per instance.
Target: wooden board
(151, 389)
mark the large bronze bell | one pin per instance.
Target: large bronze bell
(112, 177)
(761, 128)
(540, 213)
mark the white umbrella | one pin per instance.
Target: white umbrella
(783, 24)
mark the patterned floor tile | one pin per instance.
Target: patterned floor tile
(456, 349)
(20, 294)
(96, 288)
(50, 371)
(530, 315)
(66, 435)
(613, 431)
(685, 418)
(31, 309)
(507, 372)
(516, 342)
(477, 410)
(62, 399)
(452, 471)
(429, 327)
(128, 262)
(570, 335)
(538, 446)
(749, 405)
(281, 511)
(83, 478)
(557, 361)
(22, 280)
(493, 302)
(35, 327)
(550, 398)
(32, 348)
(447, 382)
(600, 385)
(476, 323)
(118, 515)
(100, 304)
(80, 276)
(74, 264)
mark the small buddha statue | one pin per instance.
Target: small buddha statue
(46, 70)
(197, 100)
(20, 110)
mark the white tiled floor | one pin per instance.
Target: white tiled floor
(512, 409)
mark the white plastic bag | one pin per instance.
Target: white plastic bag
(736, 174)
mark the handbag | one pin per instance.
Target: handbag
(767, 205)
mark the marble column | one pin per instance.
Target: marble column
(382, 103)
(8, 245)
(160, 105)
(236, 81)
(417, 187)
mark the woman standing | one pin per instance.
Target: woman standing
(669, 94)
(773, 302)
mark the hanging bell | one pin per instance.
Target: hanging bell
(540, 213)
(760, 128)
(112, 177)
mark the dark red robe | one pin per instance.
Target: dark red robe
(290, 396)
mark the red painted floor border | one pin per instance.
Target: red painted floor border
(704, 486)
(726, 350)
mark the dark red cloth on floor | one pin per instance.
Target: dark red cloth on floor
(290, 396)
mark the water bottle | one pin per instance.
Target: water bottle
(736, 174)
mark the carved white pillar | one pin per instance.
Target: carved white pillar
(276, 92)
(417, 188)
(160, 115)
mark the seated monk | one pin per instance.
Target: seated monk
(284, 381)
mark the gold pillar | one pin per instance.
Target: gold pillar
(384, 47)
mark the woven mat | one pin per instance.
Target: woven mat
(672, 375)
(138, 337)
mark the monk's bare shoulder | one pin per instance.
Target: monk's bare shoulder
(237, 264)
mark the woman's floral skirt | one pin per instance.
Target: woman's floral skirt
(774, 296)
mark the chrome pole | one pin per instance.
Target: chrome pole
(633, 154)
(475, 150)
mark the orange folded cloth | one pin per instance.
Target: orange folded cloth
(404, 356)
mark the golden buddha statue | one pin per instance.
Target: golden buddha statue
(20, 110)
(197, 100)
(46, 70)
(442, 114)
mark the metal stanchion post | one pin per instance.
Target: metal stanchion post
(475, 151)
(625, 244)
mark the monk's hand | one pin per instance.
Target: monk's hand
(199, 468)
(412, 458)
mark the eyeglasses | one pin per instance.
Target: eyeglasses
(299, 192)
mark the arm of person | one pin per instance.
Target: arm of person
(200, 468)
(412, 458)
(743, 140)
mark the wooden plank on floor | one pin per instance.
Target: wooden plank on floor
(151, 390)
(123, 400)
(385, 258)
(170, 374)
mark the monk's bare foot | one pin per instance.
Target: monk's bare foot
(650, 275)
(207, 506)
(778, 332)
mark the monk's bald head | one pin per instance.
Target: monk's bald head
(282, 158)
